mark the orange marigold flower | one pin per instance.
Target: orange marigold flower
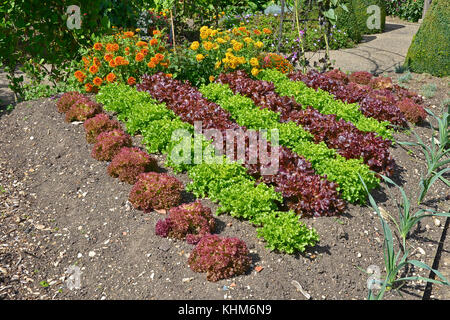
(108, 57)
(153, 42)
(257, 32)
(243, 29)
(267, 31)
(211, 78)
(141, 44)
(97, 81)
(80, 76)
(97, 62)
(131, 81)
(169, 75)
(164, 64)
(93, 69)
(156, 32)
(129, 34)
(159, 56)
(139, 57)
(112, 64)
(88, 87)
(111, 77)
(86, 60)
(98, 46)
(151, 65)
(119, 61)
(144, 52)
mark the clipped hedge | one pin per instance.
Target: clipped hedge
(347, 20)
(430, 48)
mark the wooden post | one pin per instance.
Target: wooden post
(426, 6)
(280, 31)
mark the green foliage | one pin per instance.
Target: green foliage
(158, 134)
(325, 161)
(245, 200)
(405, 78)
(284, 232)
(347, 21)
(410, 10)
(360, 9)
(395, 262)
(430, 48)
(142, 115)
(435, 155)
(324, 102)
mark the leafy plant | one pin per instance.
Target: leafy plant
(284, 232)
(98, 124)
(405, 78)
(220, 258)
(396, 262)
(435, 154)
(82, 110)
(190, 221)
(129, 163)
(155, 191)
(109, 144)
(68, 99)
(429, 90)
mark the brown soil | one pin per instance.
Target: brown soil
(60, 208)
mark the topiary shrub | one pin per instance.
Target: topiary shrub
(360, 77)
(82, 109)
(109, 144)
(220, 258)
(413, 112)
(68, 99)
(155, 191)
(129, 163)
(189, 221)
(430, 48)
(347, 20)
(98, 124)
(359, 7)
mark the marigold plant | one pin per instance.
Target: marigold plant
(220, 258)
(98, 124)
(189, 221)
(275, 61)
(227, 50)
(122, 57)
(129, 163)
(109, 144)
(155, 191)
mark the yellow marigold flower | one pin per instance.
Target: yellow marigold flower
(216, 46)
(211, 78)
(254, 62)
(204, 35)
(255, 72)
(137, 30)
(217, 65)
(204, 29)
(195, 45)
(259, 44)
(248, 39)
(207, 45)
(221, 40)
(237, 46)
(199, 57)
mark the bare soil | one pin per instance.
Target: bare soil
(59, 208)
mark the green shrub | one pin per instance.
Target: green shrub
(430, 48)
(347, 21)
(360, 9)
